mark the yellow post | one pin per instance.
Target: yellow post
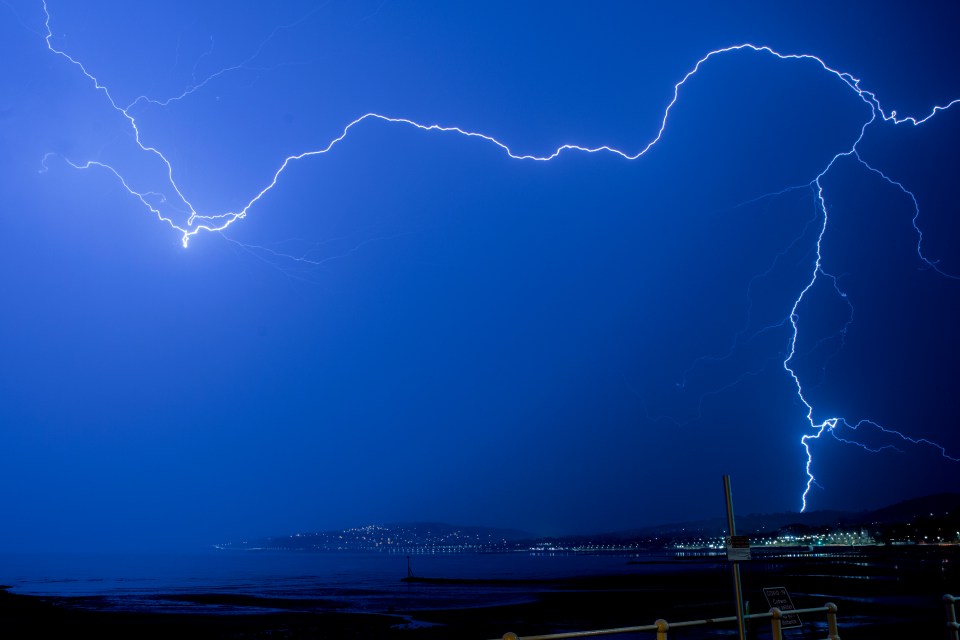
(953, 629)
(775, 615)
(832, 621)
(662, 627)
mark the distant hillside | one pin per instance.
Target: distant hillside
(936, 505)
(415, 537)
(409, 537)
(905, 511)
(753, 523)
(444, 529)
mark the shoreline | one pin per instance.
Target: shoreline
(877, 592)
(870, 601)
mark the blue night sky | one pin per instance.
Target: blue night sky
(417, 326)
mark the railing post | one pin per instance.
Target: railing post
(953, 629)
(775, 624)
(832, 621)
(662, 627)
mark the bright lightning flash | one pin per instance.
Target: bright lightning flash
(198, 222)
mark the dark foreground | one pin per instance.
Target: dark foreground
(877, 597)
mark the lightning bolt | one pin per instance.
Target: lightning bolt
(218, 222)
(831, 425)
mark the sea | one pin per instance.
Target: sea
(872, 585)
(357, 582)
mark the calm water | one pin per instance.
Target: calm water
(370, 582)
(351, 581)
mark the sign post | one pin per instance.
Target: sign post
(738, 548)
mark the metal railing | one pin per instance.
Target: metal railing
(953, 629)
(662, 627)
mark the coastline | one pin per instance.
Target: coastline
(874, 597)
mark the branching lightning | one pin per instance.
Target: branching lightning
(839, 428)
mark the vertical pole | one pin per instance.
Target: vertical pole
(662, 627)
(737, 592)
(833, 634)
(953, 629)
(775, 625)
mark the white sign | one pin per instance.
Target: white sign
(738, 548)
(779, 597)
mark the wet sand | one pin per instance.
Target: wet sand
(873, 601)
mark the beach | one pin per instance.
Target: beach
(886, 591)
